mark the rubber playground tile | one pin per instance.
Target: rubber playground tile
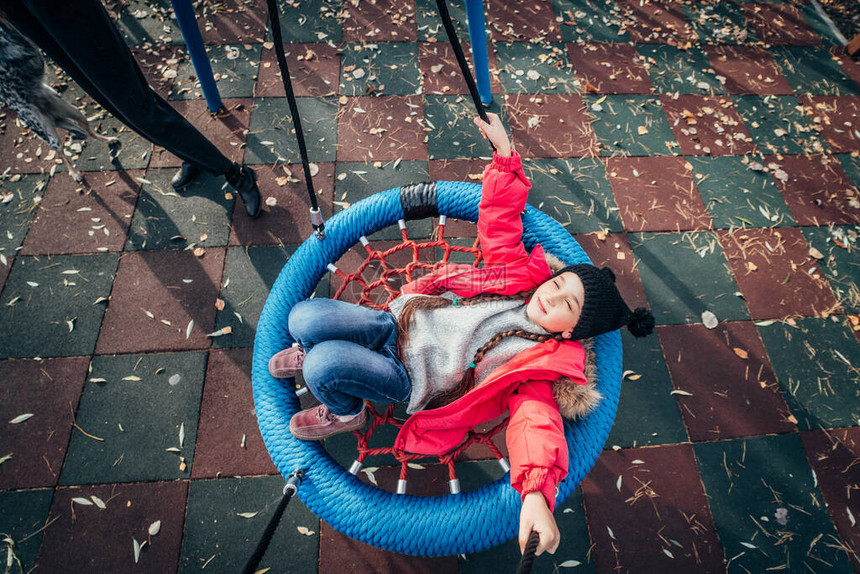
(314, 71)
(514, 22)
(778, 124)
(780, 24)
(851, 67)
(631, 125)
(851, 166)
(87, 538)
(19, 146)
(381, 129)
(707, 125)
(591, 21)
(272, 138)
(613, 250)
(767, 507)
(228, 439)
(233, 22)
(97, 220)
(609, 69)
(24, 515)
(718, 23)
(146, 23)
(551, 125)
(656, 194)
(198, 216)
(388, 68)
(720, 387)
(53, 306)
(837, 118)
(526, 68)
(392, 21)
(647, 413)
(658, 22)
(831, 455)
(226, 519)
(4, 272)
(234, 69)
(817, 190)
(47, 391)
(19, 200)
(737, 195)
(311, 21)
(813, 359)
(162, 300)
(229, 128)
(286, 215)
(429, 23)
(441, 74)
(451, 130)
(655, 516)
(837, 247)
(748, 70)
(813, 71)
(679, 71)
(684, 275)
(158, 63)
(574, 192)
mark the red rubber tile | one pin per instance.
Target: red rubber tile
(818, 191)
(657, 22)
(227, 129)
(775, 280)
(550, 125)
(159, 64)
(441, 73)
(381, 129)
(228, 439)
(233, 21)
(851, 66)
(286, 206)
(656, 194)
(647, 512)
(833, 456)
(50, 391)
(613, 250)
(780, 24)
(314, 71)
(522, 21)
(21, 150)
(839, 119)
(707, 125)
(84, 218)
(725, 384)
(609, 69)
(90, 539)
(748, 70)
(174, 286)
(380, 21)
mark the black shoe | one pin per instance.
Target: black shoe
(184, 176)
(245, 184)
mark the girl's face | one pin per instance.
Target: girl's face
(557, 304)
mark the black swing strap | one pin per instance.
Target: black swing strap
(290, 489)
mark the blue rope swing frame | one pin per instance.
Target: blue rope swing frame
(424, 526)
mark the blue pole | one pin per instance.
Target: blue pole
(194, 42)
(478, 38)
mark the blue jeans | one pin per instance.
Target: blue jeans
(351, 354)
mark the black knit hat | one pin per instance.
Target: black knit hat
(603, 309)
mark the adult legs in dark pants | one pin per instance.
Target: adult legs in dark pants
(82, 39)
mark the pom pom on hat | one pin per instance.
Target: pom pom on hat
(641, 323)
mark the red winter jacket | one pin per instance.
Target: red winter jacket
(524, 385)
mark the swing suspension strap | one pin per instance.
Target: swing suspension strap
(289, 490)
(275, 23)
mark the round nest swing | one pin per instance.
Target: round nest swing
(452, 524)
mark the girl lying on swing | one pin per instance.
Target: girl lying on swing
(463, 345)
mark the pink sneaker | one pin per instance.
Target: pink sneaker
(287, 363)
(318, 423)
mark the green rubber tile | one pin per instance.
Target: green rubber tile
(737, 196)
(311, 21)
(272, 139)
(386, 68)
(226, 519)
(676, 71)
(591, 21)
(813, 70)
(819, 25)
(53, 306)
(94, 155)
(430, 24)
(198, 216)
(24, 514)
(813, 361)
(838, 245)
(851, 167)
(573, 554)
(718, 23)
(686, 274)
(527, 68)
(574, 192)
(777, 124)
(631, 125)
(647, 412)
(451, 132)
(18, 202)
(150, 22)
(234, 68)
(140, 406)
(767, 507)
